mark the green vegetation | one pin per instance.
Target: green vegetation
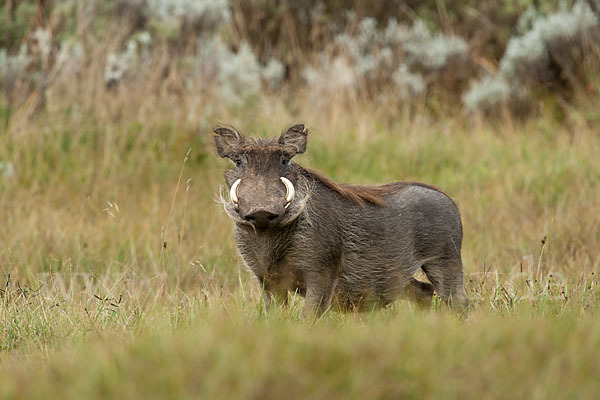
(119, 275)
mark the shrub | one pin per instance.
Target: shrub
(406, 58)
(375, 51)
(120, 64)
(12, 67)
(547, 55)
(234, 75)
(490, 93)
(182, 19)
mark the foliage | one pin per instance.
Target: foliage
(548, 53)
(409, 56)
(377, 52)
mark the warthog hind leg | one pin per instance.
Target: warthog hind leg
(446, 276)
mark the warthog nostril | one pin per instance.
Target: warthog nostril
(262, 219)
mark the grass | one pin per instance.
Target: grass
(121, 278)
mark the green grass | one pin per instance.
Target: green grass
(228, 350)
(119, 275)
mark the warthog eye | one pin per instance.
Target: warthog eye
(284, 161)
(238, 162)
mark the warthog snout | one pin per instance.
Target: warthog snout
(263, 219)
(290, 192)
(262, 201)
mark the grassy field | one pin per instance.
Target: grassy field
(120, 276)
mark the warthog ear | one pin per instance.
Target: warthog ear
(295, 138)
(227, 141)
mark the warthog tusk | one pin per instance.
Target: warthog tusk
(290, 192)
(233, 192)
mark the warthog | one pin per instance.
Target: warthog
(347, 246)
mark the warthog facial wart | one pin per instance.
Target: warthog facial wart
(339, 245)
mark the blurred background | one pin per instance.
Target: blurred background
(124, 58)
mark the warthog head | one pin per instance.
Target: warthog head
(265, 189)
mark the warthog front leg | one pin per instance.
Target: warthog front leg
(273, 292)
(280, 297)
(319, 294)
